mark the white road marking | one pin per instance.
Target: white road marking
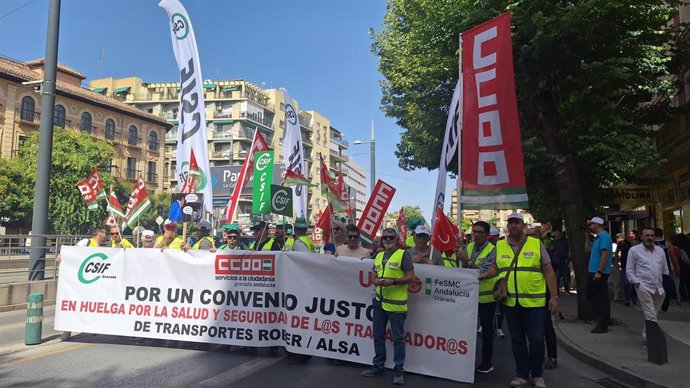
(239, 372)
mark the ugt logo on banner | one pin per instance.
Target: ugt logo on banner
(263, 177)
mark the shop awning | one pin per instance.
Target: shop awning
(100, 90)
(209, 86)
(230, 88)
(124, 89)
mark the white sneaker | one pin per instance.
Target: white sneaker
(479, 330)
(538, 382)
(499, 333)
(518, 382)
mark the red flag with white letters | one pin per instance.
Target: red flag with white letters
(493, 175)
(258, 144)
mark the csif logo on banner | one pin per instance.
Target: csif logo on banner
(93, 268)
(263, 161)
(281, 200)
(179, 26)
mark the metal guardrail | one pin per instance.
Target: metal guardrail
(15, 250)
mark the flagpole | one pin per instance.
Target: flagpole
(459, 189)
(112, 215)
(136, 238)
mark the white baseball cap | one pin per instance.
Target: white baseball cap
(596, 220)
(493, 231)
(516, 216)
(147, 234)
(422, 229)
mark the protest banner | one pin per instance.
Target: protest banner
(309, 303)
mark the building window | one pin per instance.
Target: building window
(86, 121)
(282, 106)
(28, 109)
(110, 129)
(59, 116)
(281, 124)
(153, 141)
(151, 175)
(132, 138)
(131, 168)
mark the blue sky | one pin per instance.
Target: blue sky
(318, 49)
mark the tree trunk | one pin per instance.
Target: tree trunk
(570, 198)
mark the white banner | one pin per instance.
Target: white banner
(450, 147)
(191, 131)
(293, 153)
(308, 303)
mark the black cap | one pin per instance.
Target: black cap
(259, 225)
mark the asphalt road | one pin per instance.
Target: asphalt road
(109, 361)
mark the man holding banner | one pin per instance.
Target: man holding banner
(394, 271)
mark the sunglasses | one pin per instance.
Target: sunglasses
(388, 238)
(114, 233)
(353, 237)
(423, 236)
(231, 237)
(478, 232)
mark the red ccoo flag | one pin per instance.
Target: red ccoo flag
(401, 223)
(444, 236)
(324, 223)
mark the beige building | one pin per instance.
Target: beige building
(496, 218)
(235, 109)
(137, 135)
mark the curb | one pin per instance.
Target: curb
(602, 364)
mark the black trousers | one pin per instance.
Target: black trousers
(486, 320)
(550, 336)
(598, 297)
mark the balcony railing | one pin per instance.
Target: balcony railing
(87, 128)
(131, 173)
(133, 141)
(153, 146)
(30, 116)
(221, 154)
(151, 177)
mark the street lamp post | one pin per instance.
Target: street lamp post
(372, 154)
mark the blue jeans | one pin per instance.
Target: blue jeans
(397, 320)
(527, 324)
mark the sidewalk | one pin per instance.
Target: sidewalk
(620, 352)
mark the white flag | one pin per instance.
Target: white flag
(450, 146)
(293, 153)
(191, 132)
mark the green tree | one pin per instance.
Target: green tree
(583, 68)
(409, 211)
(17, 201)
(74, 155)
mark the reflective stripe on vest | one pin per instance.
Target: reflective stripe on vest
(531, 284)
(392, 298)
(123, 244)
(486, 286)
(450, 262)
(198, 243)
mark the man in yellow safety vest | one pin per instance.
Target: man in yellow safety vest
(394, 271)
(481, 254)
(302, 242)
(524, 262)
